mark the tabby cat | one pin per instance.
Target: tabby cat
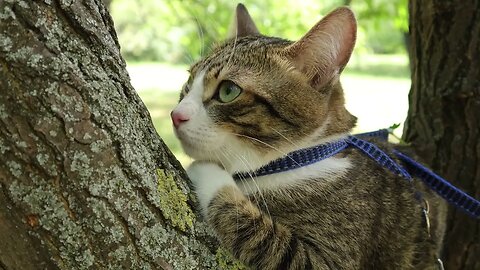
(255, 98)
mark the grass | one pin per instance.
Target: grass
(376, 89)
(385, 66)
(159, 104)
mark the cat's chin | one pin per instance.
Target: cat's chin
(233, 154)
(198, 147)
(201, 153)
(193, 151)
(237, 161)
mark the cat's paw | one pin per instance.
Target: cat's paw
(208, 178)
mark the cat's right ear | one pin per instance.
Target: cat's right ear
(243, 24)
(324, 51)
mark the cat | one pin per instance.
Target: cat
(255, 98)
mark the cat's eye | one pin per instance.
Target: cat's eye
(228, 91)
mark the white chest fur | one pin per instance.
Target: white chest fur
(329, 169)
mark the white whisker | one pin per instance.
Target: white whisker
(233, 49)
(247, 185)
(287, 139)
(266, 144)
(248, 165)
(227, 159)
(201, 36)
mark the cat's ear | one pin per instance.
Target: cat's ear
(325, 50)
(243, 24)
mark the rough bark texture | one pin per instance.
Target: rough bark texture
(85, 181)
(444, 117)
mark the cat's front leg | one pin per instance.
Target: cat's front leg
(251, 235)
(208, 178)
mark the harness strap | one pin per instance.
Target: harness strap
(297, 159)
(379, 156)
(304, 157)
(442, 187)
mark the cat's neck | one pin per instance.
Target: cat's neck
(329, 169)
(337, 125)
(248, 160)
(340, 119)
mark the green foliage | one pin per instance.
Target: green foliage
(393, 127)
(398, 139)
(384, 23)
(179, 31)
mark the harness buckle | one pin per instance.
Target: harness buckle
(440, 264)
(426, 211)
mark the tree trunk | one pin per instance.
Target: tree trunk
(443, 121)
(85, 181)
(107, 3)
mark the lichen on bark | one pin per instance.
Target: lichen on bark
(226, 260)
(80, 160)
(173, 202)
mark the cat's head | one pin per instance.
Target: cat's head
(255, 98)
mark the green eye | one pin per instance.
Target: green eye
(228, 91)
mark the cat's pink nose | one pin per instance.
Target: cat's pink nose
(178, 118)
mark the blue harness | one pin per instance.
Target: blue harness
(304, 157)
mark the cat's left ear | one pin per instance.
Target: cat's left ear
(325, 50)
(243, 24)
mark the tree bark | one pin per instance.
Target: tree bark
(107, 3)
(443, 121)
(85, 181)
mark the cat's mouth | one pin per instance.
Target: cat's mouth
(199, 143)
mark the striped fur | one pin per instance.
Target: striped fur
(342, 213)
(366, 219)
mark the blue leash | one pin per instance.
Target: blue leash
(304, 157)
